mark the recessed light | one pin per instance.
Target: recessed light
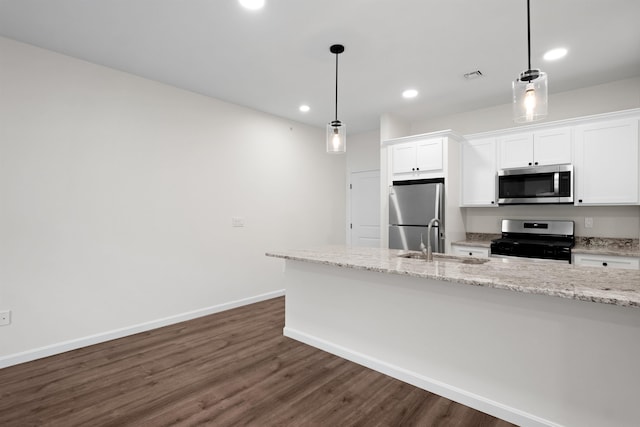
(554, 54)
(410, 93)
(252, 4)
(304, 108)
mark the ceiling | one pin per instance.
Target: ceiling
(278, 58)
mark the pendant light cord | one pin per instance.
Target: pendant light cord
(528, 35)
(337, 85)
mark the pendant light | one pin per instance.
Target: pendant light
(529, 89)
(336, 130)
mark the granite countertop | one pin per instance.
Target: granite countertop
(584, 245)
(606, 246)
(607, 286)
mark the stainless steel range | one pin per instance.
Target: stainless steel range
(538, 240)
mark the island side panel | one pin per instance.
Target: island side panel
(529, 359)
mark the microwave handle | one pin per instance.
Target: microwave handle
(556, 183)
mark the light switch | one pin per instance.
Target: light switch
(588, 222)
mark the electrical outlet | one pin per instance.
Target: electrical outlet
(5, 317)
(237, 221)
(588, 222)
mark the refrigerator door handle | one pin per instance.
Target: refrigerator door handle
(437, 212)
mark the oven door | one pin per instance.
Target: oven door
(531, 250)
(544, 184)
(509, 258)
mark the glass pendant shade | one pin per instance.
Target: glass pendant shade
(530, 96)
(336, 137)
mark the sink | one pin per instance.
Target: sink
(445, 258)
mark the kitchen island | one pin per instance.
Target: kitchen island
(534, 344)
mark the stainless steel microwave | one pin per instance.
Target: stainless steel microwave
(539, 184)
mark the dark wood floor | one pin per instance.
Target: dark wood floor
(229, 369)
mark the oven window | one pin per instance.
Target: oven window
(520, 186)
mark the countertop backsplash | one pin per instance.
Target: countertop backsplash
(608, 243)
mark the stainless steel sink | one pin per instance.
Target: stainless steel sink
(445, 258)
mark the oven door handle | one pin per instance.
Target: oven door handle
(556, 183)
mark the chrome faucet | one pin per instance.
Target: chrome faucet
(427, 252)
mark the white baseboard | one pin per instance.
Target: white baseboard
(464, 397)
(50, 350)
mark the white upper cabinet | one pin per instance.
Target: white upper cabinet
(537, 148)
(606, 163)
(552, 146)
(404, 158)
(416, 159)
(516, 151)
(429, 155)
(478, 172)
(603, 150)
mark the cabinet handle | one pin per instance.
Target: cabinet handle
(413, 169)
(417, 169)
(529, 163)
(536, 163)
(604, 264)
(579, 200)
(470, 253)
(492, 202)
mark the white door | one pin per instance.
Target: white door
(365, 208)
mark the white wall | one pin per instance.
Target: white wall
(619, 221)
(117, 195)
(363, 152)
(613, 96)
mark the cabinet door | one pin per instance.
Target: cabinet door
(429, 155)
(404, 157)
(552, 147)
(516, 151)
(479, 172)
(606, 164)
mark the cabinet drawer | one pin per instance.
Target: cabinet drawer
(629, 263)
(470, 251)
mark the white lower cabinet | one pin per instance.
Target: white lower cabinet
(608, 261)
(470, 251)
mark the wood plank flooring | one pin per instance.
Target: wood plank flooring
(229, 369)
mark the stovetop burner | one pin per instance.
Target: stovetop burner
(535, 239)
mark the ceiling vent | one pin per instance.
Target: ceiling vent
(473, 75)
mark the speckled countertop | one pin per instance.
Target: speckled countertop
(606, 246)
(584, 245)
(607, 286)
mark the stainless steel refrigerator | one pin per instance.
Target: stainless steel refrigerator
(411, 207)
